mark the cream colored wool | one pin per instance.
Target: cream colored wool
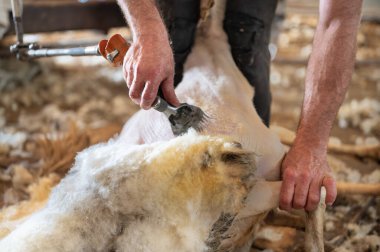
(163, 196)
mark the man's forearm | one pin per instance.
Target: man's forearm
(143, 17)
(329, 71)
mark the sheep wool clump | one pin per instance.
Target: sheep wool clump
(166, 196)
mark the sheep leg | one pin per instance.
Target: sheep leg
(314, 226)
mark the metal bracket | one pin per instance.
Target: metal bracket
(112, 55)
(25, 51)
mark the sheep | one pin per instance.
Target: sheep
(177, 195)
(148, 191)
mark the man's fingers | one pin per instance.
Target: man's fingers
(135, 91)
(148, 95)
(330, 185)
(301, 191)
(167, 87)
(314, 195)
(128, 69)
(128, 76)
(287, 190)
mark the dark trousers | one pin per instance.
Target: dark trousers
(247, 24)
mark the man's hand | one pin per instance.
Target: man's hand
(304, 171)
(331, 63)
(148, 65)
(149, 61)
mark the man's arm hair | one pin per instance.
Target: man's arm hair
(329, 70)
(142, 16)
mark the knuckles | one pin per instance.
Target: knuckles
(305, 175)
(289, 174)
(302, 177)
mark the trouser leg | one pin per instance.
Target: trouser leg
(181, 18)
(247, 24)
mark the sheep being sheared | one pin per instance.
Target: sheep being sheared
(213, 82)
(193, 193)
(164, 196)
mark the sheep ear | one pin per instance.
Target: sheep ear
(241, 163)
(233, 154)
(238, 157)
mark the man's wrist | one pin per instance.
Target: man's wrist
(151, 30)
(311, 140)
(152, 38)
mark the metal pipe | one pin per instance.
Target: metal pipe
(50, 52)
(17, 8)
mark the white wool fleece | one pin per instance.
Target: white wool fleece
(164, 196)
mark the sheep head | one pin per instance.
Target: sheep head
(190, 184)
(200, 174)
